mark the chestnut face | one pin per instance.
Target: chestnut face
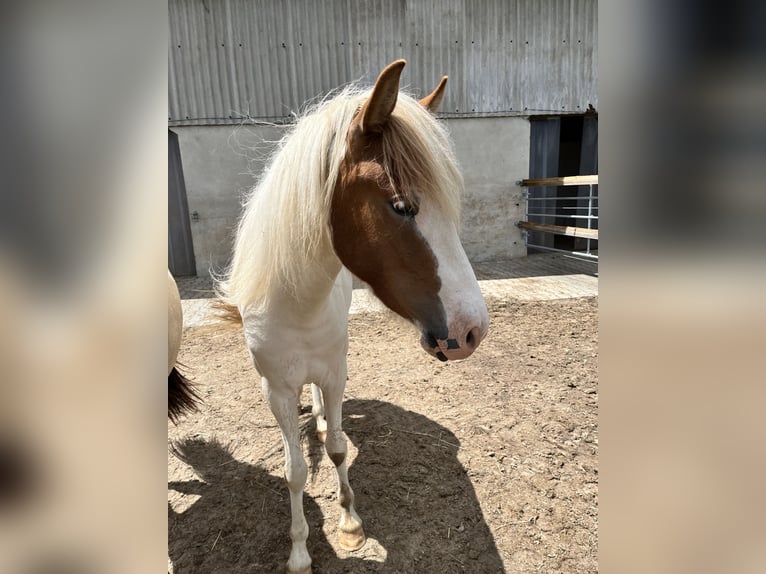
(375, 234)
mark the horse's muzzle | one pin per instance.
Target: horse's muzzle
(453, 349)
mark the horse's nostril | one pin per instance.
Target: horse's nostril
(472, 338)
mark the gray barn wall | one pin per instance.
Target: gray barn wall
(230, 59)
(221, 162)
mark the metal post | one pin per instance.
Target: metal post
(590, 213)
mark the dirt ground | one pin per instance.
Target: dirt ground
(483, 465)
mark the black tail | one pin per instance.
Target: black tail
(182, 396)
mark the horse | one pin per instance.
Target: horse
(182, 397)
(365, 182)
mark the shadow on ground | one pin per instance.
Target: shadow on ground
(413, 494)
(536, 265)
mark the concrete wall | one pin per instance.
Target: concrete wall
(493, 154)
(221, 163)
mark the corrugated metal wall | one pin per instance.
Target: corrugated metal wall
(263, 59)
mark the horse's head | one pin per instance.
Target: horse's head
(394, 218)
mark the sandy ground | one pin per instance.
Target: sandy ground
(483, 465)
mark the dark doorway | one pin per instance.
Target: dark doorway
(180, 247)
(562, 146)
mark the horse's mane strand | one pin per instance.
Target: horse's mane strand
(286, 217)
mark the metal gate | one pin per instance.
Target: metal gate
(569, 211)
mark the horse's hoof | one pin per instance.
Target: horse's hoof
(352, 540)
(322, 436)
(306, 570)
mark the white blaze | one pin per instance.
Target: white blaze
(460, 294)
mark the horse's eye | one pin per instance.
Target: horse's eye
(401, 208)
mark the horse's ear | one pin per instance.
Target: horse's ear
(379, 107)
(431, 101)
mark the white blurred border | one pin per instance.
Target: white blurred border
(82, 265)
(682, 277)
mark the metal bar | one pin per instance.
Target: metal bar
(560, 181)
(564, 207)
(557, 198)
(575, 253)
(562, 216)
(559, 229)
(590, 212)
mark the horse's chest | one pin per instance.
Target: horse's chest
(298, 353)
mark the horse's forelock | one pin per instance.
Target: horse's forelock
(419, 159)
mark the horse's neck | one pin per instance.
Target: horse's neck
(313, 289)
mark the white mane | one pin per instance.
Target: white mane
(286, 219)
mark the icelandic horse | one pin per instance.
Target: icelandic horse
(366, 182)
(182, 397)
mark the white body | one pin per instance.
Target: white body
(175, 322)
(293, 342)
(293, 292)
(302, 338)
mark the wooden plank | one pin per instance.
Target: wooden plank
(555, 181)
(560, 229)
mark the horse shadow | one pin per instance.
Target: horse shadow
(413, 494)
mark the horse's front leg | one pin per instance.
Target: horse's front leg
(351, 532)
(317, 410)
(282, 404)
